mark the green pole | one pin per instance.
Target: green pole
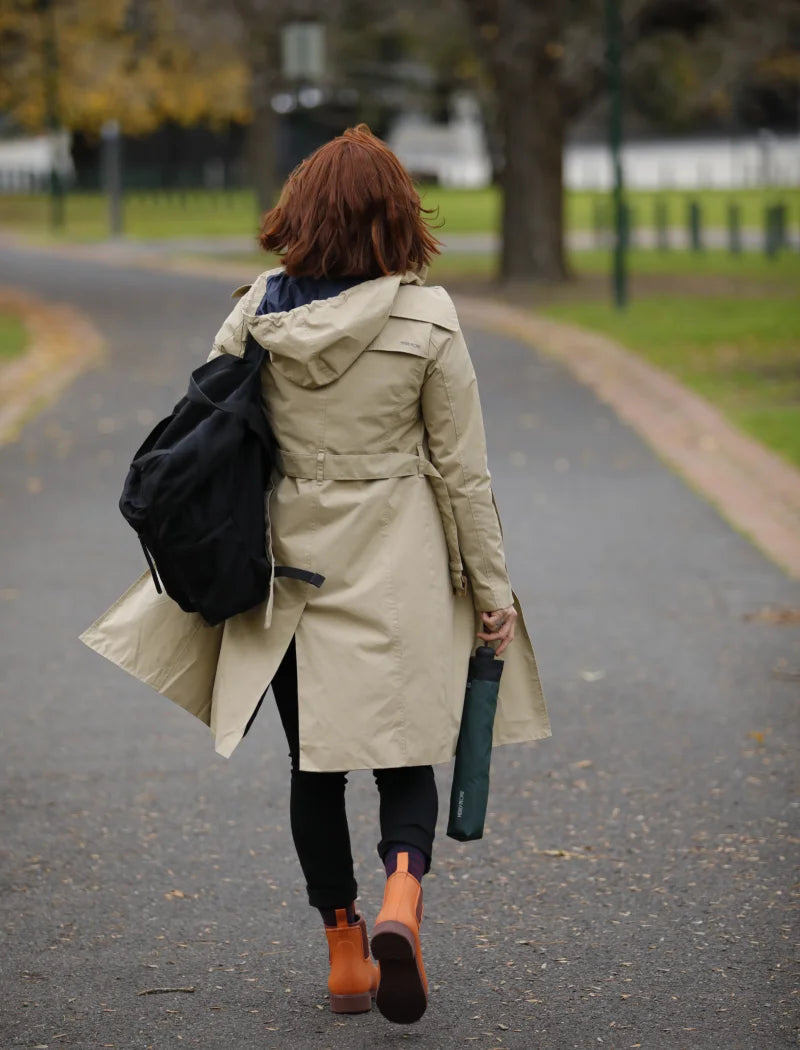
(695, 217)
(734, 228)
(614, 73)
(51, 106)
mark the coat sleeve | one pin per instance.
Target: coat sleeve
(453, 420)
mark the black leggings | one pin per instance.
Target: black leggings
(408, 808)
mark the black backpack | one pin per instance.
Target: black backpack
(196, 490)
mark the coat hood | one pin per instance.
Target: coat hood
(315, 344)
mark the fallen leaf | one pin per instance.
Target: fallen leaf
(568, 854)
(165, 991)
(785, 676)
(774, 614)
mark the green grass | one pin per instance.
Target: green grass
(742, 354)
(714, 206)
(463, 211)
(478, 211)
(755, 266)
(13, 336)
(751, 265)
(200, 213)
(195, 213)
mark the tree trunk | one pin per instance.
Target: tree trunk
(533, 206)
(530, 100)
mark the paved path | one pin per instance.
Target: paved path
(634, 885)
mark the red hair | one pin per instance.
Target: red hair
(349, 210)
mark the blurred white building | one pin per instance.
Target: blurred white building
(456, 154)
(26, 163)
(765, 159)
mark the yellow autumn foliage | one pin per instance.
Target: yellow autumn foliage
(124, 60)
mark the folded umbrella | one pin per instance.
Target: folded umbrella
(470, 791)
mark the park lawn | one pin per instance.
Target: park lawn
(206, 213)
(783, 269)
(714, 205)
(753, 266)
(478, 211)
(741, 354)
(13, 336)
(194, 213)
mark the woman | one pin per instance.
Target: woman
(385, 491)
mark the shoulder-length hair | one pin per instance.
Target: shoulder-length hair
(350, 209)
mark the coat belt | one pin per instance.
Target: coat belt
(374, 466)
(330, 466)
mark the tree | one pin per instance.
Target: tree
(129, 62)
(525, 54)
(546, 62)
(254, 28)
(364, 37)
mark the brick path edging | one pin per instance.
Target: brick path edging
(756, 490)
(63, 344)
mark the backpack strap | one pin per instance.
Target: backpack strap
(314, 578)
(253, 350)
(247, 411)
(151, 566)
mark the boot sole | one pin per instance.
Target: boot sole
(352, 1004)
(401, 994)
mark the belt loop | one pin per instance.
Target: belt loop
(321, 465)
(420, 459)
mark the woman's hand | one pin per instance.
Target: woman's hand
(499, 626)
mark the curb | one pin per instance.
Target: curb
(63, 344)
(756, 490)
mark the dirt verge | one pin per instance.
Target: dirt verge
(63, 343)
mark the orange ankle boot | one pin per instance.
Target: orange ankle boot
(353, 978)
(403, 990)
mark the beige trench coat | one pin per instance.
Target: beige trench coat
(385, 490)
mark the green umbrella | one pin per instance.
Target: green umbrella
(470, 790)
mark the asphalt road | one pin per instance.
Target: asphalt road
(633, 888)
